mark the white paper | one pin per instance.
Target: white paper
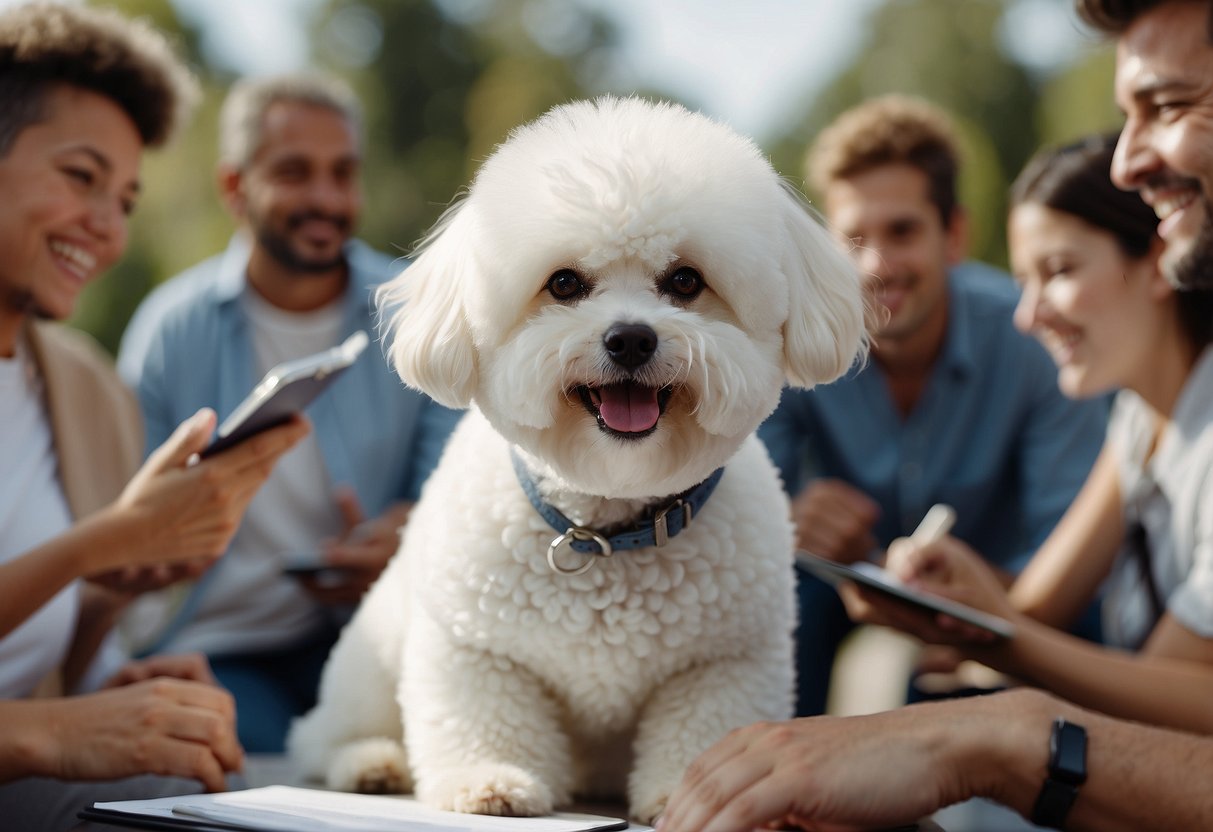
(290, 809)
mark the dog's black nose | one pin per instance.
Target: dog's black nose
(630, 345)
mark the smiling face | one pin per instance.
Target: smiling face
(300, 194)
(901, 246)
(1100, 313)
(69, 182)
(1164, 85)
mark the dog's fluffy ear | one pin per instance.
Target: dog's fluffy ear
(825, 332)
(429, 342)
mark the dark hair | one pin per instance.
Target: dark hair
(1076, 180)
(891, 129)
(1112, 17)
(45, 45)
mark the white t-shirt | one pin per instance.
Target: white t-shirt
(1171, 494)
(248, 605)
(33, 509)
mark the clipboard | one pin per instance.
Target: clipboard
(872, 576)
(292, 809)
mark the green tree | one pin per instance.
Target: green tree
(947, 51)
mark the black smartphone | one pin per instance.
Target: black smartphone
(284, 391)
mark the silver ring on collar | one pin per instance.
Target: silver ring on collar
(565, 541)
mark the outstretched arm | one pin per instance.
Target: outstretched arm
(818, 773)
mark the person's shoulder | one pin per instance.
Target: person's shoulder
(988, 289)
(68, 346)
(371, 266)
(186, 289)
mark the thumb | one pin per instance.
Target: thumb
(190, 438)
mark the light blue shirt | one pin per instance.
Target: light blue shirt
(991, 434)
(189, 346)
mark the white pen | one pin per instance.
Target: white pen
(936, 523)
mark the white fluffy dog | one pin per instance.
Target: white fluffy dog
(618, 299)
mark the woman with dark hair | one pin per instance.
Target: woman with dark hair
(1087, 257)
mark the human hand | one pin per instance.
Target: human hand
(945, 567)
(178, 512)
(360, 554)
(821, 773)
(835, 520)
(191, 666)
(160, 726)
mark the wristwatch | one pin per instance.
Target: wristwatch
(1067, 771)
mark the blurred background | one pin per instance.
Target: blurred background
(443, 81)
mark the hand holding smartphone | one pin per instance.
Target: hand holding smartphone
(286, 390)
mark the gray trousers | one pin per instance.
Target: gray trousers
(40, 804)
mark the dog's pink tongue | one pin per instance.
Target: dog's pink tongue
(628, 408)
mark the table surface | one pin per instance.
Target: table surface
(275, 769)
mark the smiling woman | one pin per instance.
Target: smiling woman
(84, 92)
(1094, 293)
(71, 180)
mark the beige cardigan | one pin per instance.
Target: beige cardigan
(96, 426)
(95, 420)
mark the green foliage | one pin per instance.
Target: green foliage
(951, 53)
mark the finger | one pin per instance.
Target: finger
(194, 694)
(371, 556)
(741, 798)
(190, 437)
(208, 728)
(182, 758)
(189, 666)
(351, 510)
(251, 456)
(686, 805)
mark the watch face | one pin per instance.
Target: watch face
(1068, 757)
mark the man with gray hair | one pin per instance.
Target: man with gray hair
(293, 282)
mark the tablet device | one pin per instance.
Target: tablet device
(873, 577)
(286, 390)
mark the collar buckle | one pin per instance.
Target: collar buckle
(661, 532)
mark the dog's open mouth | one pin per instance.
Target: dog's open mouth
(625, 408)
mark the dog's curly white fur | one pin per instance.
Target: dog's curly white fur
(472, 670)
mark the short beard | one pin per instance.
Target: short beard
(1194, 268)
(280, 249)
(278, 246)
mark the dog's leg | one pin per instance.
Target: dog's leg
(353, 739)
(693, 710)
(483, 734)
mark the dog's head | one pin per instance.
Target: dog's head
(623, 292)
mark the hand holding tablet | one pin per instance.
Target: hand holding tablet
(937, 523)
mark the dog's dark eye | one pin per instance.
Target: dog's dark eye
(566, 285)
(684, 284)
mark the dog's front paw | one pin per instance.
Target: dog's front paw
(370, 766)
(486, 789)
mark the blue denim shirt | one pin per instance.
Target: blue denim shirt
(189, 346)
(991, 435)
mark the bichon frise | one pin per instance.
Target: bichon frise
(597, 582)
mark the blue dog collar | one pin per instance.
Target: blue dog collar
(656, 531)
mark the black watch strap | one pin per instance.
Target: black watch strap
(1067, 771)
